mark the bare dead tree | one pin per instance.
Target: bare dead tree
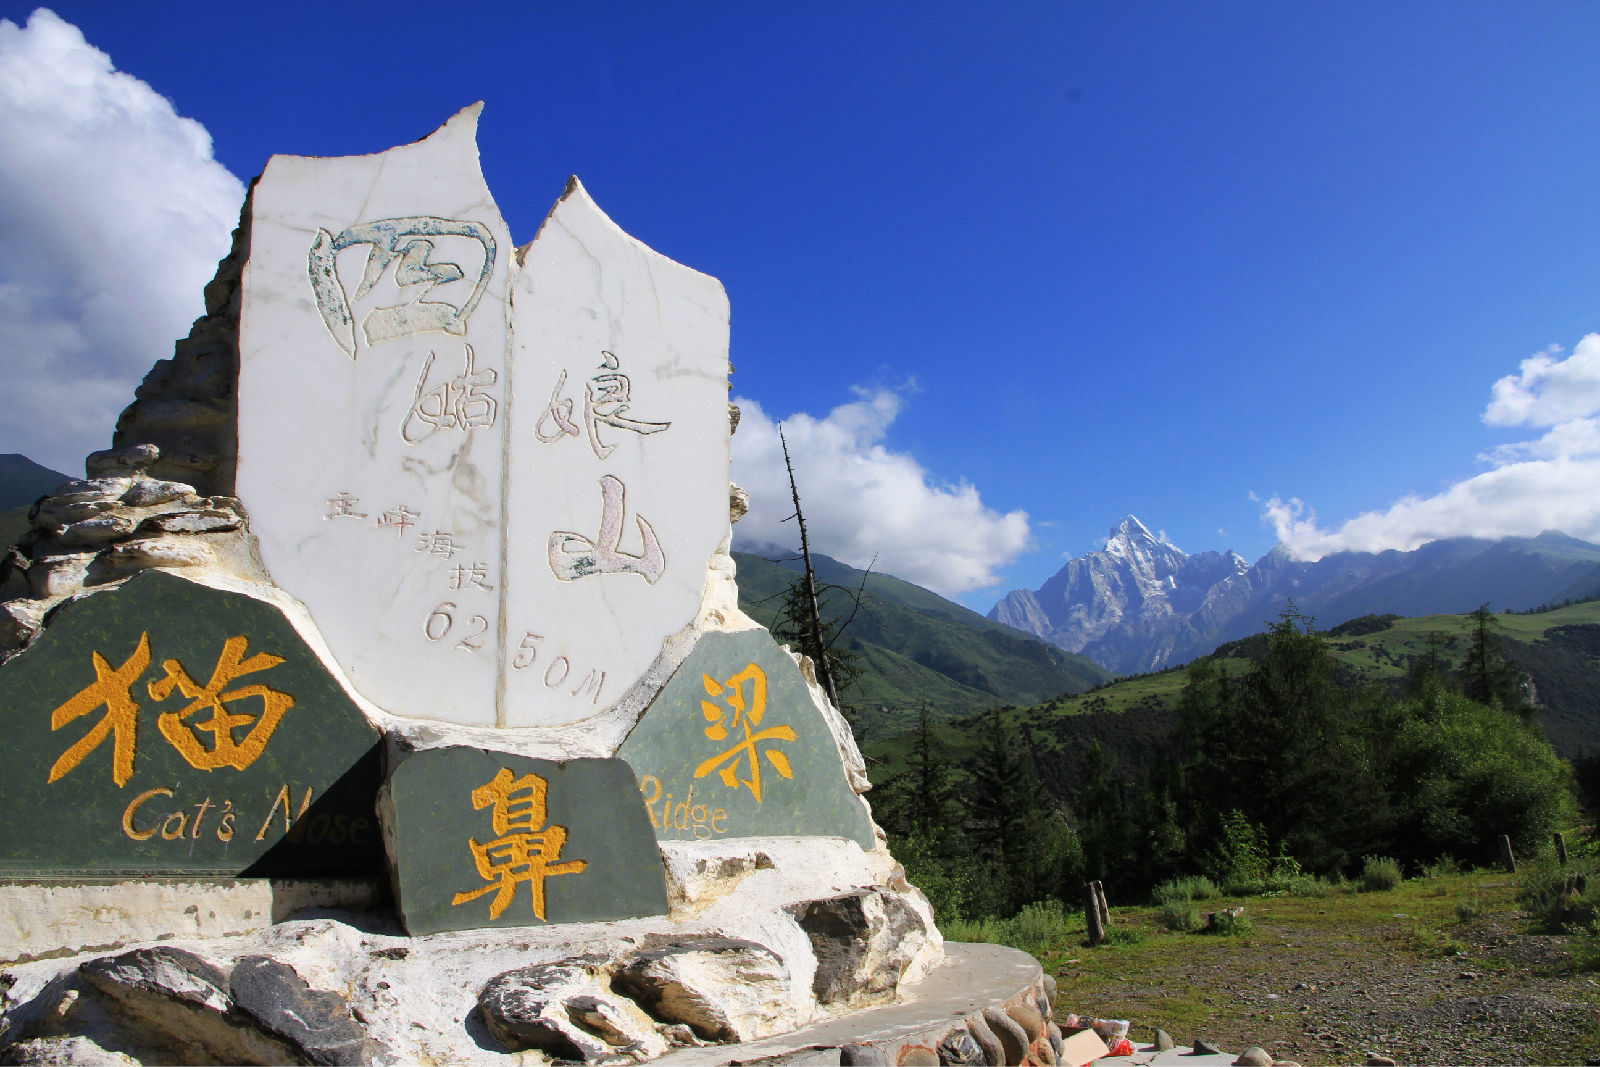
(814, 622)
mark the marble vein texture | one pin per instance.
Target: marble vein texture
(495, 476)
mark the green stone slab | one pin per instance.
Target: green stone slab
(587, 847)
(146, 781)
(716, 760)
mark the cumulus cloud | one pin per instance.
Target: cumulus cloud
(862, 500)
(113, 215)
(1550, 482)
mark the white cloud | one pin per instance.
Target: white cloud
(1551, 482)
(113, 215)
(1550, 390)
(861, 499)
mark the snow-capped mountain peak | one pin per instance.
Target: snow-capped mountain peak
(1129, 532)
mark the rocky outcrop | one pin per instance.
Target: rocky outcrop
(110, 526)
(186, 407)
(166, 1004)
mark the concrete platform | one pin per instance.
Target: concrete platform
(972, 978)
(1182, 1056)
(43, 920)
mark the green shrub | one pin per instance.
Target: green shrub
(1470, 773)
(1444, 867)
(1242, 885)
(1193, 887)
(1585, 945)
(1468, 910)
(1037, 925)
(1306, 885)
(1379, 873)
(985, 931)
(1540, 893)
(1550, 896)
(1240, 856)
(1181, 916)
(1229, 923)
(1034, 929)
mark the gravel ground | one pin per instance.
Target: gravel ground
(1506, 998)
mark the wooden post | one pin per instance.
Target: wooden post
(1561, 847)
(1091, 914)
(1105, 908)
(1507, 857)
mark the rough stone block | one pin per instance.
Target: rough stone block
(316, 1023)
(959, 1049)
(168, 727)
(568, 1012)
(994, 1053)
(1012, 1038)
(734, 746)
(481, 838)
(178, 1007)
(863, 942)
(724, 989)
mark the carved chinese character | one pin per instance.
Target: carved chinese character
(399, 518)
(574, 556)
(343, 506)
(224, 750)
(748, 711)
(458, 403)
(525, 851)
(559, 412)
(475, 576)
(406, 245)
(606, 399)
(112, 689)
(437, 543)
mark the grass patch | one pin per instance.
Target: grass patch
(1161, 974)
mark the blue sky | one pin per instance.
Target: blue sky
(1007, 271)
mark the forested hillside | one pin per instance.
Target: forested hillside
(1289, 753)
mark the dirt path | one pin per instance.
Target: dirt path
(1318, 987)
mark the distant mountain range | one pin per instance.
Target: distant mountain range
(1143, 604)
(917, 648)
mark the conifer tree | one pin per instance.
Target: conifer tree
(1486, 676)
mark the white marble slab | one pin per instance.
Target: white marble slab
(618, 460)
(487, 530)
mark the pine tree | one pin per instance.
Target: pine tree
(1486, 676)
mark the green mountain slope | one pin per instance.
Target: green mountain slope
(22, 481)
(916, 647)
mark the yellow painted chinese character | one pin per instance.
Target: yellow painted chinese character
(747, 714)
(525, 851)
(112, 689)
(224, 750)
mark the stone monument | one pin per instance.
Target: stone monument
(404, 589)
